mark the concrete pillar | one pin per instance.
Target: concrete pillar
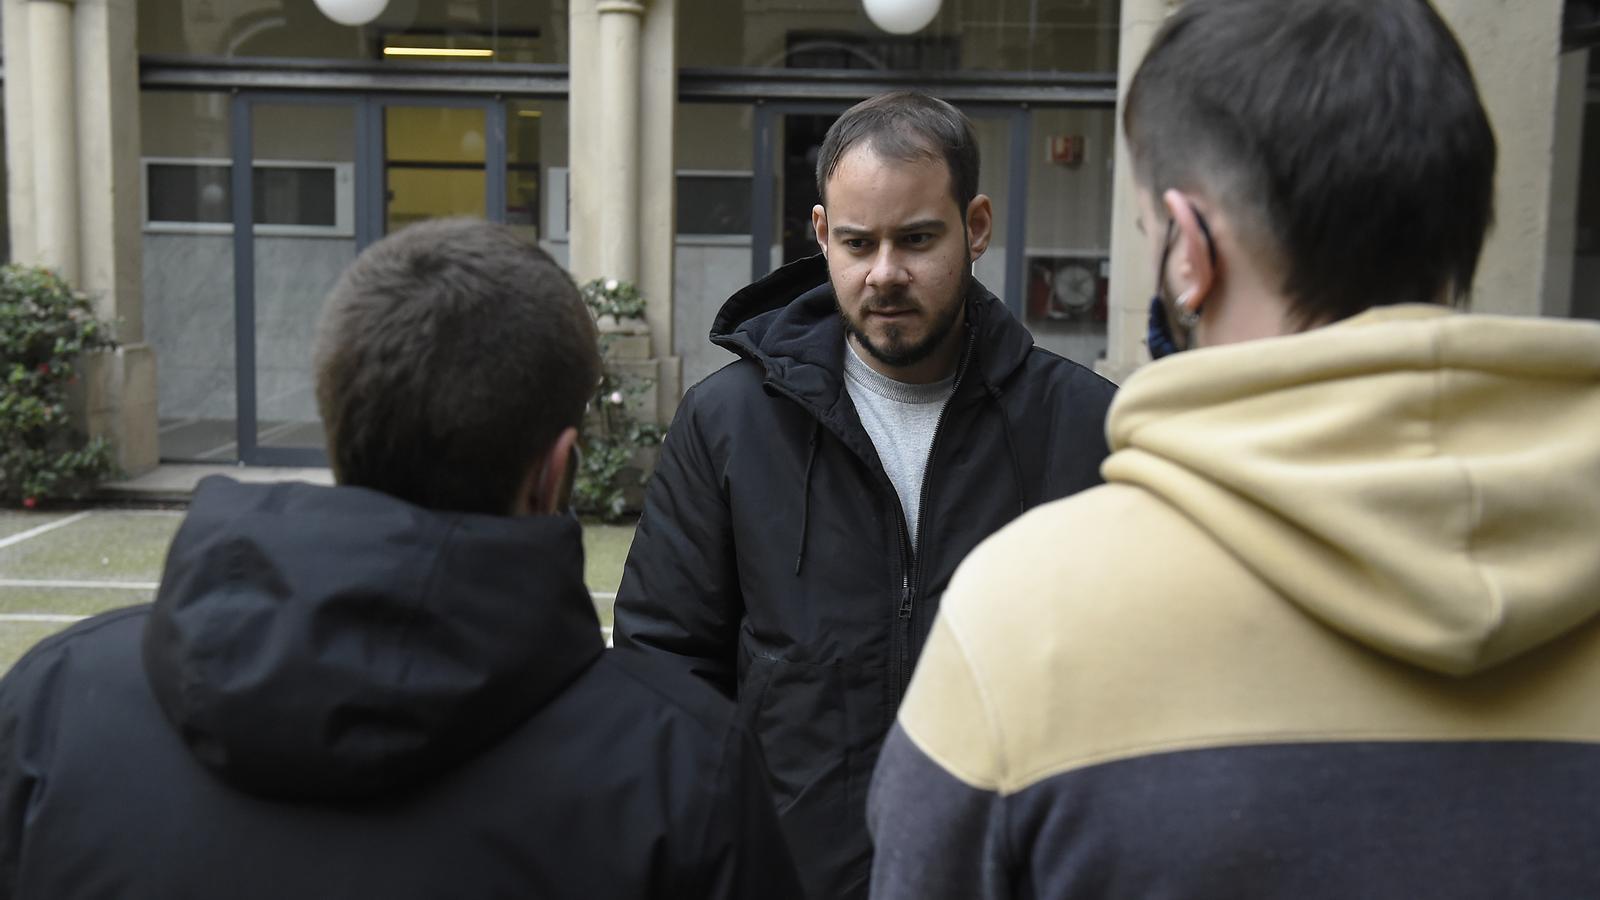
(658, 191)
(1516, 59)
(622, 222)
(618, 149)
(54, 132)
(72, 122)
(1132, 274)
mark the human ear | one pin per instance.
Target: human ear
(819, 224)
(547, 481)
(1192, 265)
(980, 226)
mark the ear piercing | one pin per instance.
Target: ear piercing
(1187, 317)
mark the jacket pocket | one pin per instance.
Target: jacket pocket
(797, 712)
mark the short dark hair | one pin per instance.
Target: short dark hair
(1347, 137)
(451, 355)
(907, 126)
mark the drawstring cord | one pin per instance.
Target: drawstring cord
(805, 497)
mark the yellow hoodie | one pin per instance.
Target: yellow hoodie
(1382, 533)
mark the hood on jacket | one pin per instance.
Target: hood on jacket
(1426, 483)
(338, 643)
(789, 323)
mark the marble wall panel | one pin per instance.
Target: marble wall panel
(704, 277)
(189, 319)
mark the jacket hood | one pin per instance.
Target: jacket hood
(1425, 482)
(788, 322)
(316, 642)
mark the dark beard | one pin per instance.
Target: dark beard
(899, 355)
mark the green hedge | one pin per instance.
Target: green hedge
(45, 328)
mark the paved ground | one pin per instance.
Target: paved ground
(57, 567)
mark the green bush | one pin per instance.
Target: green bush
(613, 436)
(45, 327)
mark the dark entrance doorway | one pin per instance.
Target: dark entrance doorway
(802, 142)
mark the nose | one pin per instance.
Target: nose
(888, 272)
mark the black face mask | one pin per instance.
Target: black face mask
(1159, 337)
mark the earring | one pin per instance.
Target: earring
(1187, 317)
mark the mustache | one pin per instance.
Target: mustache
(897, 300)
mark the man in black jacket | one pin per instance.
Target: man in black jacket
(813, 497)
(395, 687)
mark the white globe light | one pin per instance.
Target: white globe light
(352, 12)
(901, 16)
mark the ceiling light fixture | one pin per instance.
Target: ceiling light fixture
(438, 51)
(352, 12)
(901, 16)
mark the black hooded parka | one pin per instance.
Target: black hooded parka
(339, 694)
(773, 559)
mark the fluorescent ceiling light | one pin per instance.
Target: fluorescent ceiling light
(436, 51)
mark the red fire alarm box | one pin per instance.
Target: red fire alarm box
(1066, 149)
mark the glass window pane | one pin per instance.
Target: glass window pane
(715, 147)
(434, 163)
(528, 31)
(536, 165)
(967, 35)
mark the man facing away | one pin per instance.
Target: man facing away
(395, 687)
(1328, 630)
(812, 498)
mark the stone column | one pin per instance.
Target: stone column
(72, 123)
(623, 198)
(54, 133)
(1516, 59)
(618, 148)
(1132, 274)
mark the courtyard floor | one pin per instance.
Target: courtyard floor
(59, 567)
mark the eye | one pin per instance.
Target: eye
(918, 239)
(855, 243)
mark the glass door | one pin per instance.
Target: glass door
(440, 159)
(315, 179)
(296, 226)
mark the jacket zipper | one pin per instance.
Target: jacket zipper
(912, 581)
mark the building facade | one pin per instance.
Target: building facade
(204, 169)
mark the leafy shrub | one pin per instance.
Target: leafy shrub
(614, 438)
(45, 328)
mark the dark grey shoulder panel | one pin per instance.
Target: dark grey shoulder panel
(934, 835)
(1305, 821)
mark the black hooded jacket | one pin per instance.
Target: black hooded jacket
(772, 558)
(338, 694)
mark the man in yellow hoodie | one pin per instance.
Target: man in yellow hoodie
(1329, 628)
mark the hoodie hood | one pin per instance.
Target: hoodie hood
(788, 322)
(1424, 482)
(337, 643)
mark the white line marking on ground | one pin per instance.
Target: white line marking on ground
(38, 617)
(42, 529)
(68, 583)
